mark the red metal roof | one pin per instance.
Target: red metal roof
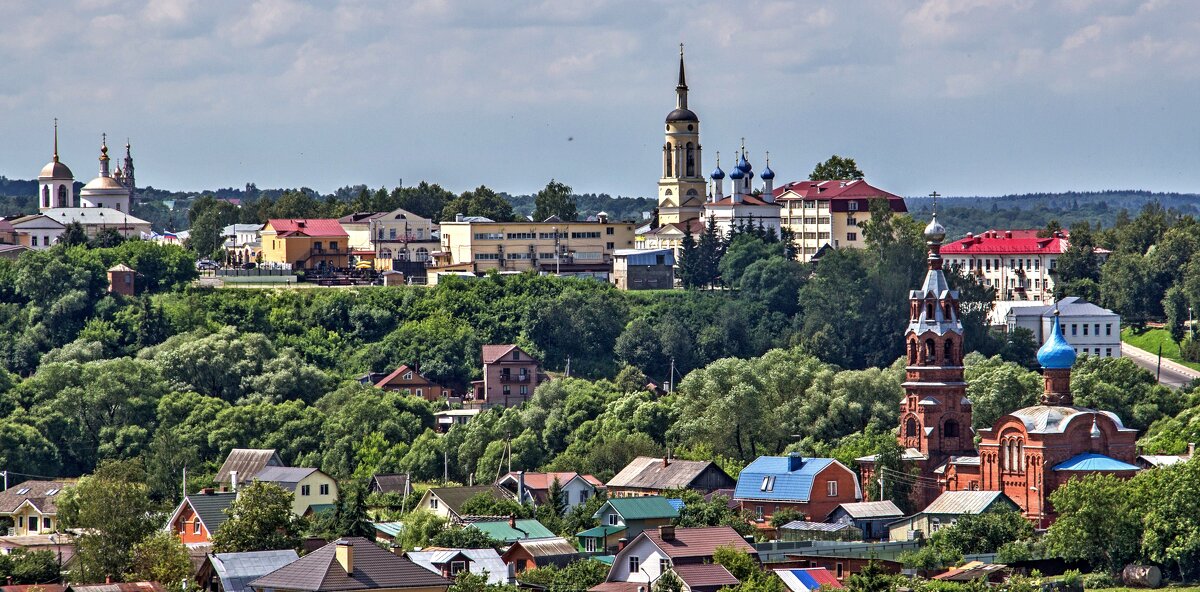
(838, 193)
(699, 542)
(543, 480)
(493, 353)
(307, 227)
(1006, 242)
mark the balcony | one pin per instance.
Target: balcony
(514, 378)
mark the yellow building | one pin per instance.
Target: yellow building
(313, 490)
(550, 246)
(32, 507)
(829, 213)
(305, 244)
(681, 189)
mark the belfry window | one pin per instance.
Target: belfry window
(667, 158)
(910, 428)
(950, 429)
(62, 196)
(45, 197)
(691, 160)
(948, 353)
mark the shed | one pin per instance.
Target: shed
(799, 530)
(871, 518)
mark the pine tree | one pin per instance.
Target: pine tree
(555, 497)
(689, 262)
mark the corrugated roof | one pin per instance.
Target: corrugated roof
(698, 542)
(1094, 462)
(551, 547)
(995, 242)
(964, 502)
(391, 529)
(805, 526)
(493, 353)
(374, 568)
(640, 508)
(646, 472)
(247, 462)
(769, 478)
(524, 528)
(704, 575)
(286, 477)
(807, 579)
(237, 570)
(391, 482)
(118, 587)
(481, 561)
(600, 531)
(315, 227)
(882, 509)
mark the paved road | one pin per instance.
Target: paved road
(1173, 374)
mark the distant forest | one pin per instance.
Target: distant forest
(1099, 209)
(168, 209)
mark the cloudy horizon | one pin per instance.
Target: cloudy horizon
(968, 97)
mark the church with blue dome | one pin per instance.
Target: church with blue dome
(1026, 453)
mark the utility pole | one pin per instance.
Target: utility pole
(5, 473)
(881, 486)
(185, 481)
(1158, 367)
(568, 366)
(671, 377)
(445, 466)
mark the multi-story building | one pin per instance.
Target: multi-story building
(823, 214)
(509, 377)
(641, 269)
(398, 235)
(553, 246)
(1091, 329)
(681, 187)
(1019, 264)
(305, 244)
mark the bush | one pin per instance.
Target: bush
(1072, 579)
(1097, 580)
(1189, 349)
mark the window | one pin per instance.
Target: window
(1108, 352)
(758, 513)
(1085, 328)
(1073, 328)
(317, 246)
(420, 392)
(33, 524)
(609, 230)
(634, 564)
(47, 523)
(851, 221)
(391, 233)
(516, 355)
(768, 483)
(507, 390)
(585, 234)
(851, 236)
(196, 526)
(20, 522)
(589, 545)
(852, 206)
(1097, 329)
(305, 490)
(840, 570)
(610, 246)
(407, 376)
(324, 489)
(612, 519)
(1108, 329)
(664, 565)
(45, 197)
(23, 491)
(583, 496)
(522, 235)
(457, 566)
(33, 240)
(831, 488)
(935, 525)
(433, 503)
(488, 236)
(951, 429)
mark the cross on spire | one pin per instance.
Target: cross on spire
(935, 195)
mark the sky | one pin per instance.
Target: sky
(965, 97)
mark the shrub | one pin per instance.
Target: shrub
(1096, 580)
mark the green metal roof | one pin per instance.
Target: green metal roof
(600, 531)
(391, 529)
(641, 508)
(605, 559)
(525, 528)
(322, 508)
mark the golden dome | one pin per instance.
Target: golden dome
(100, 183)
(56, 170)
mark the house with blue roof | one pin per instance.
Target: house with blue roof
(813, 487)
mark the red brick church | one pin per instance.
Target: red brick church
(1029, 452)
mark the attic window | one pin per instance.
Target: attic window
(23, 491)
(51, 492)
(768, 483)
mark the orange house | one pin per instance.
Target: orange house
(407, 378)
(305, 244)
(199, 516)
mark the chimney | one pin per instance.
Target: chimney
(666, 460)
(520, 487)
(512, 520)
(233, 480)
(621, 542)
(458, 217)
(795, 462)
(970, 235)
(602, 217)
(1007, 234)
(666, 532)
(1191, 449)
(207, 491)
(344, 553)
(396, 550)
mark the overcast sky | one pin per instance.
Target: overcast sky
(968, 97)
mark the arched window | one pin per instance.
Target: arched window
(692, 193)
(669, 192)
(385, 253)
(948, 353)
(930, 352)
(45, 197)
(912, 351)
(691, 160)
(422, 254)
(62, 196)
(950, 429)
(667, 158)
(929, 310)
(910, 428)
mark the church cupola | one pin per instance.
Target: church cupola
(1056, 357)
(768, 177)
(718, 179)
(56, 182)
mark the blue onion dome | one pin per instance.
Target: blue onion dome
(767, 174)
(1056, 353)
(736, 173)
(718, 174)
(744, 165)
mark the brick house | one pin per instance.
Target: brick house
(811, 486)
(199, 516)
(509, 376)
(407, 378)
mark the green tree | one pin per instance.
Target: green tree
(996, 387)
(260, 519)
(481, 201)
(160, 557)
(112, 508)
(688, 268)
(555, 199)
(465, 538)
(836, 168)
(668, 582)
(1097, 522)
(350, 516)
(106, 238)
(744, 250)
(420, 527)
(73, 234)
(871, 578)
(986, 532)
(486, 504)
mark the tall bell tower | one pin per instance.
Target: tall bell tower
(935, 415)
(682, 186)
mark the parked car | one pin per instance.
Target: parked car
(205, 264)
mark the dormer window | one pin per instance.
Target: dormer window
(23, 491)
(768, 483)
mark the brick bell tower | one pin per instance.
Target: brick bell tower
(935, 416)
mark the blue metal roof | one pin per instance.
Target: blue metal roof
(676, 503)
(1056, 353)
(768, 478)
(1091, 461)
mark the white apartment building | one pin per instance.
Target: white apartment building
(1090, 329)
(1017, 263)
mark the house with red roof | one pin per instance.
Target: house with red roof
(407, 378)
(310, 243)
(534, 487)
(1019, 264)
(686, 551)
(823, 214)
(509, 377)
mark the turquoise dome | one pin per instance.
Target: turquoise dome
(1056, 353)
